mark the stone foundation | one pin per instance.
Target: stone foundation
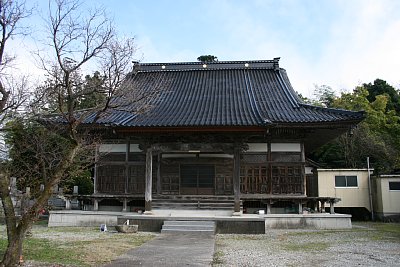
(245, 224)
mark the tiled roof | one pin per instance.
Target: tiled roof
(234, 93)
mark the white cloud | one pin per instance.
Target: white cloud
(362, 48)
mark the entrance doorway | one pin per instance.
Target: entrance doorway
(197, 179)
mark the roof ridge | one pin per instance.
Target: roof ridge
(253, 102)
(334, 110)
(216, 65)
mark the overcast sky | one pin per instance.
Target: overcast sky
(337, 43)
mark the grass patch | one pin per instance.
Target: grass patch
(390, 228)
(46, 251)
(77, 246)
(217, 258)
(108, 248)
(385, 231)
(305, 247)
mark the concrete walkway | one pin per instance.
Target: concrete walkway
(170, 250)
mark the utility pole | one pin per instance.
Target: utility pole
(370, 191)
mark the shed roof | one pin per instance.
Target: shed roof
(224, 93)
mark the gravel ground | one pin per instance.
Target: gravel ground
(358, 247)
(361, 246)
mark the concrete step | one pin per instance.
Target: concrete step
(191, 222)
(164, 231)
(188, 227)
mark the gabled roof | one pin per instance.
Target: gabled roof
(224, 93)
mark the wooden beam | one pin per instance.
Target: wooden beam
(227, 129)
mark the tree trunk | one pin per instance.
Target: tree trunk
(13, 253)
(16, 229)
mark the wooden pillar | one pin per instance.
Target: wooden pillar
(127, 167)
(303, 170)
(269, 167)
(96, 159)
(159, 173)
(148, 186)
(236, 179)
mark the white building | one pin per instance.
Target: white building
(387, 197)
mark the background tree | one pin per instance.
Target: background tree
(376, 137)
(381, 87)
(207, 58)
(323, 95)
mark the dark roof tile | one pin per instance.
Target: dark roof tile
(221, 94)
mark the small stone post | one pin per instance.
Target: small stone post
(95, 205)
(300, 207)
(124, 205)
(67, 204)
(322, 206)
(332, 209)
(269, 208)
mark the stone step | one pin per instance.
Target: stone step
(188, 227)
(194, 222)
(164, 231)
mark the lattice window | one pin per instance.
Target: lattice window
(136, 179)
(224, 184)
(112, 157)
(253, 179)
(111, 179)
(287, 180)
(254, 158)
(285, 157)
(169, 177)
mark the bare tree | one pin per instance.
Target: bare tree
(12, 93)
(12, 96)
(75, 38)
